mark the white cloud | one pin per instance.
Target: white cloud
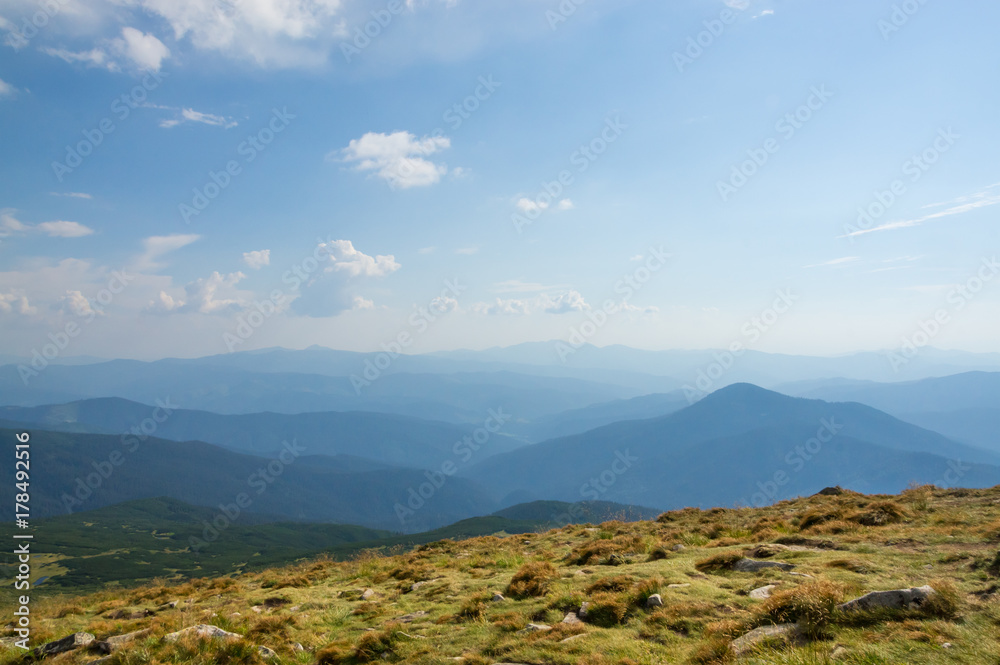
(566, 204)
(508, 307)
(156, 246)
(6, 89)
(738, 4)
(426, 250)
(95, 57)
(467, 251)
(74, 195)
(982, 199)
(571, 301)
(397, 158)
(190, 115)
(15, 300)
(257, 259)
(356, 263)
(563, 303)
(835, 262)
(77, 304)
(63, 229)
(144, 50)
(214, 294)
(9, 225)
(361, 303)
(637, 257)
(527, 205)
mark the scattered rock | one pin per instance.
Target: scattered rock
(787, 631)
(202, 630)
(763, 593)
(571, 618)
(111, 644)
(367, 594)
(498, 598)
(266, 652)
(946, 645)
(898, 599)
(417, 585)
(583, 571)
(257, 608)
(752, 565)
(294, 608)
(572, 637)
(297, 647)
(839, 652)
(679, 586)
(801, 575)
(582, 612)
(68, 643)
(656, 600)
(678, 548)
(410, 618)
(535, 628)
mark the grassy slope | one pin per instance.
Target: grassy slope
(948, 538)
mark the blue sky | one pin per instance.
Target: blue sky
(361, 160)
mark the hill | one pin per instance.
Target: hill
(734, 445)
(754, 585)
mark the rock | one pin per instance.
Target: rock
(898, 599)
(583, 571)
(367, 594)
(68, 643)
(203, 630)
(763, 593)
(837, 490)
(535, 628)
(839, 652)
(946, 645)
(297, 647)
(572, 637)
(266, 652)
(752, 565)
(617, 560)
(679, 586)
(678, 548)
(801, 575)
(294, 608)
(767, 551)
(571, 618)
(656, 600)
(582, 613)
(498, 598)
(410, 618)
(787, 631)
(112, 643)
(257, 608)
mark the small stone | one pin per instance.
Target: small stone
(257, 608)
(498, 598)
(678, 548)
(571, 618)
(535, 628)
(763, 593)
(265, 652)
(753, 566)
(582, 613)
(203, 630)
(367, 594)
(654, 601)
(410, 618)
(572, 637)
(946, 645)
(786, 631)
(840, 652)
(297, 647)
(679, 586)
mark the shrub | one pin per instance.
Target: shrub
(616, 583)
(373, 644)
(475, 607)
(607, 610)
(533, 579)
(816, 516)
(718, 562)
(811, 605)
(645, 589)
(880, 514)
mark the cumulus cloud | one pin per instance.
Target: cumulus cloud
(63, 229)
(571, 301)
(502, 306)
(562, 303)
(355, 263)
(526, 205)
(257, 259)
(15, 301)
(397, 158)
(6, 89)
(144, 50)
(566, 204)
(214, 294)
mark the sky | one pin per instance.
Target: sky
(192, 177)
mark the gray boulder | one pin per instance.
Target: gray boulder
(898, 599)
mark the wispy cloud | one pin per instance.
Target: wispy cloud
(190, 115)
(834, 262)
(987, 197)
(74, 195)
